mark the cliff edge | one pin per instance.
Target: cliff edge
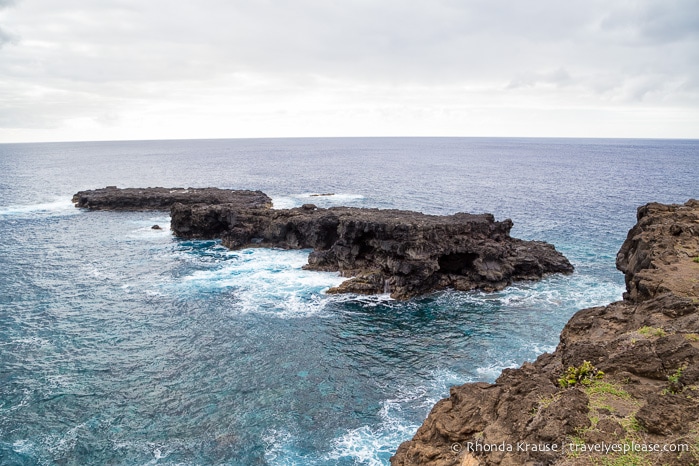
(621, 388)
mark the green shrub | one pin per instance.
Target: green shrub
(584, 374)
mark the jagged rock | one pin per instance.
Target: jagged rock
(381, 251)
(665, 414)
(401, 252)
(639, 343)
(654, 255)
(113, 198)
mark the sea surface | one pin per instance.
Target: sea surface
(123, 345)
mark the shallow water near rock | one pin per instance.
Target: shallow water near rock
(121, 344)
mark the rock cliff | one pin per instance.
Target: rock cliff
(383, 251)
(630, 372)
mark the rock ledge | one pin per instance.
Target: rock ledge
(113, 198)
(648, 347)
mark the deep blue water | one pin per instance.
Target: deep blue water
(124, 345)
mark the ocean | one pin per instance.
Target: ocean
(124, 345)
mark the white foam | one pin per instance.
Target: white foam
(366, 445)
(268, 281)
(23, 446)
(159, 454)
(372, 300)
(572, 292)
(374, 444)
(58, 444)
(285, 203)
(61, 206)
(319, 199)
(492, 370)
(144, 229)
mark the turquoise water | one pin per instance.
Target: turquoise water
(120, 344)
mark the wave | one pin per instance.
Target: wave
(370, 444)
(57, 207)
(319, 199)
(143, 228)
(559, 292)
(267, 281)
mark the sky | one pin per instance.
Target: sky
(74, 70)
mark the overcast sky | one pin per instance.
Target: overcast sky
(155, 69)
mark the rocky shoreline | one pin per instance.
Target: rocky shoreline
(620, 389)
(383, 251)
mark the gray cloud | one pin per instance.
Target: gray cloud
(113, 53)
(5, 36)
(652, 22)
(414, 42)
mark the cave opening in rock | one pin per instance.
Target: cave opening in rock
(328, 235)
(365, 248)
(457, 263)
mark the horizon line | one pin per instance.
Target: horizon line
(354, 137)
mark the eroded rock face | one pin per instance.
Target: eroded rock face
(113, 198)
(383, 251)
(404, 253)
(647, 345)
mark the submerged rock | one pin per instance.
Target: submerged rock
(647, 346)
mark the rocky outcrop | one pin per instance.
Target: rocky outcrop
(113, 198)
(381, 251)
(400, 252)
(647, 401)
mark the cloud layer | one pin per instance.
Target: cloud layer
(119, 69)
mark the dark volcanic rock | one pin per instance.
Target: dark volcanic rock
(113, 198)
(641, 343)
(399, 252)
(404, 253)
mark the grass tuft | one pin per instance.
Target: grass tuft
(652, 331)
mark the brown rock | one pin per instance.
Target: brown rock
(637, 342)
